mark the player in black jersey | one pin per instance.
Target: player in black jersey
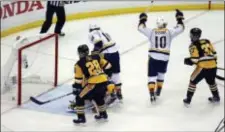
(203, 55)
(90, 83)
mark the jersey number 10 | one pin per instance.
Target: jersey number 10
(160, 42)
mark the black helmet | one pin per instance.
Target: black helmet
(195, 34)
(83, 50)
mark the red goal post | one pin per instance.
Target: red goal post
(19, 66)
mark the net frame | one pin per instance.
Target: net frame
(19, 66)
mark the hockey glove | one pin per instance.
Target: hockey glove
(143, 18)
(188, 61)
(77, 88)
(108, 72)
(179, 16)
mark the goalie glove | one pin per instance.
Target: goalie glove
(188, 61)
(179, 17)
(143, 18)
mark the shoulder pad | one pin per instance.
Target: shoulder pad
(202, 41)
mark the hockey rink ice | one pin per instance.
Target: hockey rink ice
(136, 112)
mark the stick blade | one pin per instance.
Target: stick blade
(36, 101)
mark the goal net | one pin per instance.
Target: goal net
(31, 67)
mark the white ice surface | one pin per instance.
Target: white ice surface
(136, 113)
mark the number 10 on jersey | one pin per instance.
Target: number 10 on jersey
(160, 41)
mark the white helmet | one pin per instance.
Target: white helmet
(93, 27)
(160, 22)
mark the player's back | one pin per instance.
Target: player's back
(92, 68)
(160, 42)
(204, 52)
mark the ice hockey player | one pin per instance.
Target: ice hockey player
(89, 68)
(160, 41)
(105, 45)
(203, 55)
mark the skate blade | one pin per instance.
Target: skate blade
(187, 105)
(214, 103)
(80, 124)
(101, 120)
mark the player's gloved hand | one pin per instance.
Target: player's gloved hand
(188, 61)
(76, 89)
(108, 72)
(179, 15)
(143, 17)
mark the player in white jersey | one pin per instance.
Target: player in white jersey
(104, 44)
(160, 41)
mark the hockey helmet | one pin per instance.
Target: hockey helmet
(195, 34)
(83, 50)
(93, 27)
(160, 22)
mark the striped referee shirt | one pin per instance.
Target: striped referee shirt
(61, 3)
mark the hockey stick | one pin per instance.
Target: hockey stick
(33, 99)
(220, 127)
(147, 9)
(220, 78)
(220, 68)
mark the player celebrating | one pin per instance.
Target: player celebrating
(104, 44)
(204, 57)
(160, 41)
(89, 71)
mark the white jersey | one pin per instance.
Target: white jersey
(160, 40)
(109, 46)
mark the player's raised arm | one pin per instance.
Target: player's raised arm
(142, 26)
(180, 24)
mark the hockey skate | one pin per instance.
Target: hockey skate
(119, 94)
(187, 102)
(152, 98)
(214, 99)
(111, 99)
(103, 116)
(81, 119)
(72, 106)
(158, 92)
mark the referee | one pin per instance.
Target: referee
(58, 8)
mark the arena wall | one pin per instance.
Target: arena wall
(18, 16)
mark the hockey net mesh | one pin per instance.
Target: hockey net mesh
(35, 56)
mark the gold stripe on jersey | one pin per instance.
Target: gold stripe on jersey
(78, 72)
(98, 79)
(196, 72)
(160, 29)
(167, 52)
(205, 61)
(208, 64)
(86, 89)
(104, 63)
